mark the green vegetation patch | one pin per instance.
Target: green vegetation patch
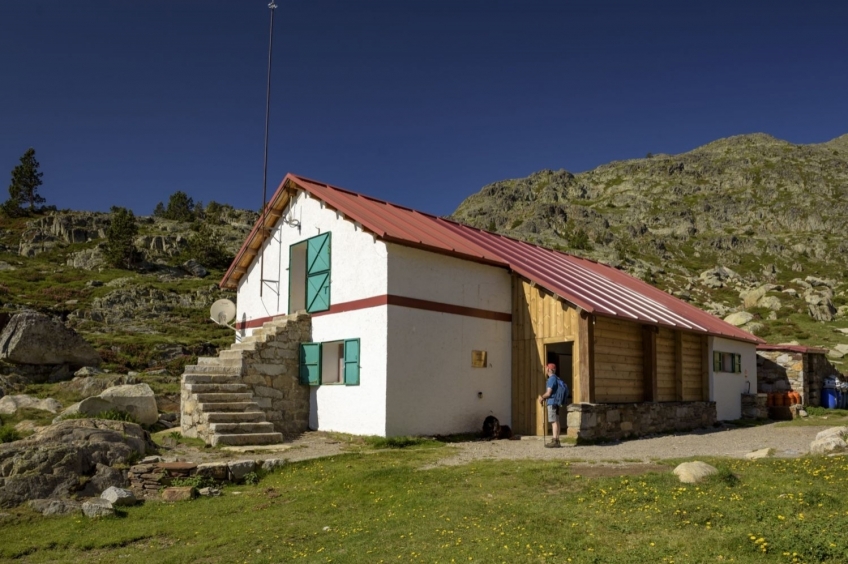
(402, 506)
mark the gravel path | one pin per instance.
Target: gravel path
(722, 442)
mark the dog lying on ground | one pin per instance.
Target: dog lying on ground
(492, 429)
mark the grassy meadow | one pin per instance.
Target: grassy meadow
(399, 505)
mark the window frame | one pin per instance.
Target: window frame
(349, 368)
(721, 357)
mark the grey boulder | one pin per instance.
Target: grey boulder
(97, 507)
(60, 460)
(830, 441)
(50, 507)
(136, 399)
(119, 496)
(35, 338)
(9, 405)
(240, 468)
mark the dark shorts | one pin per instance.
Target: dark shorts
(553, 413)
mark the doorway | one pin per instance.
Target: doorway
(561, 354)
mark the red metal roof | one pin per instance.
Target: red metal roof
(594, 287)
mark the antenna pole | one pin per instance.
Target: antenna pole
(264, 212)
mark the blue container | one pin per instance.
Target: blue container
(830, 398)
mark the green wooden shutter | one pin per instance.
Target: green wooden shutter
(310, 363)
(737, 363)
(318, 273)
(351, 362)
(716, 361)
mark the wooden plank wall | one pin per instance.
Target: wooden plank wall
(667, 391)
(538, 318)
(693, 360)
(619, 365)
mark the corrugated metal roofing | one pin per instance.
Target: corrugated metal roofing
(594, 287)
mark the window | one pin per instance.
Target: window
(727, 362)
(309, 274)
(333, 362)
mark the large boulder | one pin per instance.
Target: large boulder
(35, 338)
(830, 441)
(136, 399)
(60, 460)
(87, 385)
(9, 405)
(739, 318)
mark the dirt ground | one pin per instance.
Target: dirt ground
(720, 442)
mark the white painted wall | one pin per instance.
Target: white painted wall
(726, 388)
(360, 410)
(358, 261)
(432, 388)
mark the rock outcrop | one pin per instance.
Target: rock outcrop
(62, 459)
(136, 400)
(35, 338)
(9, 405)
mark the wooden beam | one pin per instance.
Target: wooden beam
(586, 357)
(678, 366)
(240, 270)
(649, 362)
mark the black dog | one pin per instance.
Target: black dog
(491, 428)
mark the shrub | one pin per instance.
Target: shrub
(8, 434)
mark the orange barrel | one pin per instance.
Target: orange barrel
(770, 401)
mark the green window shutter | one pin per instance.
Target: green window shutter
(716, 361)
(310, 363)
(737, 363)
(351, 362)
(318, 273)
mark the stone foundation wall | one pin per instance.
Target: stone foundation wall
(784, 371)
(597, 421)
(272, 373)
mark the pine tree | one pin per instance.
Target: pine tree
(24, 187)
(120, 246)
(180, 207)
(159, 210)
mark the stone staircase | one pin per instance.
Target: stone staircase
(222, 406)
(218, 395)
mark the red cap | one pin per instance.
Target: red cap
(551, 366)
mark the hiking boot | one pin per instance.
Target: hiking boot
(553, 444)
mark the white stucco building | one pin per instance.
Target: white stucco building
(415, 319)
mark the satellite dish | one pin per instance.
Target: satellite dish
(222, 312)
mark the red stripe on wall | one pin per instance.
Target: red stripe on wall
(401, 301)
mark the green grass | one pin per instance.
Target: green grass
(385, 506)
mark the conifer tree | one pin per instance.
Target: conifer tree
(26, 179)
(120, 239)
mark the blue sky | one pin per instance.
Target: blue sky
(418, 102)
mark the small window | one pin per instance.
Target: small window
(332, 362)
(727, 362)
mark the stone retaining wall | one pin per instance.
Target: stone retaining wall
(784, 371)
(272, 373)
(599, 421)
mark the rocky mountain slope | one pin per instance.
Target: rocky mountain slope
(152, 317)
(748, 224)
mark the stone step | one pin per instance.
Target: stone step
(213, 388)
(243, 346)
(221, 397)
(241, 428)
(209, 369)
(206, 360)
(248, 439)
(230, 354)
(234, 363)
(230, 406)
(193, 379)
(235, 417)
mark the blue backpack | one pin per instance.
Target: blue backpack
(561, 392)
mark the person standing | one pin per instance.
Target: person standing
(553, 397)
